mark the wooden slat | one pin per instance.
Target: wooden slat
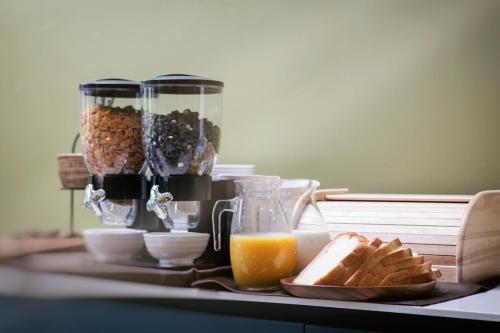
(332, 216)
(394, 221)
(448, 273)
(441, 260)
(404, 214)
(415, 239)
(399, 197)
(432, 249)
(395, 229)
(320, 195)
(393, 206)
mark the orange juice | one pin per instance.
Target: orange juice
(261, 260)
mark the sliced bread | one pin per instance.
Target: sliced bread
(365, 267)
(396, 278)
(396, 255)
(399, 254)
(371, 248)
(382, 268)
(436, 273)
(373, 279)
(329, 266)
(416, 279)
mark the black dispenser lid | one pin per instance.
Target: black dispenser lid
(183, 84)
(111, 88)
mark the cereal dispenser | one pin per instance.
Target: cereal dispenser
(182, 121)
(182, 131)
(111, 132)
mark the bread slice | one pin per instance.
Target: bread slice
(399, 254)
(396, 278)
(372, 247)
(373, 279)
(396, 255)
(365, 267)
(421, 278)
(436, 273)
(383, 267)
(329, 266)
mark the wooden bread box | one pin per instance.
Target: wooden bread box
(460, 234)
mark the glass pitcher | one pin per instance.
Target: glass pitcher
(262, 247)
(307, 223)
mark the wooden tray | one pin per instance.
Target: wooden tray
(342, 293)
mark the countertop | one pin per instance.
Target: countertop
(17, 283)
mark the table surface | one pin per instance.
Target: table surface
(15, 282)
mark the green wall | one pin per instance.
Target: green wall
(378, 96)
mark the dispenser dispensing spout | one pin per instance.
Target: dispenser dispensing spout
(158, 202)
(93, 198)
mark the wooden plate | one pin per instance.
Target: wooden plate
(342, 293)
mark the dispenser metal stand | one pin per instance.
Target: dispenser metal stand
(72, 195)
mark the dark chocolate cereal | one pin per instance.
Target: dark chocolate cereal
(180, 143)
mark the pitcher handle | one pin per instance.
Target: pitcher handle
(220, 207)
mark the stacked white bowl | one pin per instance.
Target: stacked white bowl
(233, 170)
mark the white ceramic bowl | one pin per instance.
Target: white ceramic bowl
(176, 248)
(108, 245)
